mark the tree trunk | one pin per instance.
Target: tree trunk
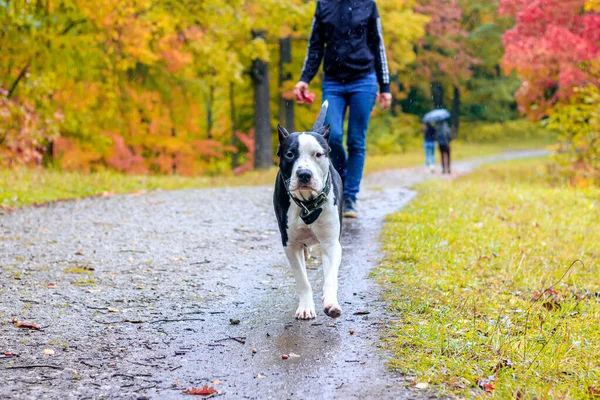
(437, 94)
(13, 87)
(286, 106)
(455, 112)
(263, 154)
(234, 139)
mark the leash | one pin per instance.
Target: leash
(309, 207)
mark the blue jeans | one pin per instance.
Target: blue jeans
(359, 96)
(429, 153)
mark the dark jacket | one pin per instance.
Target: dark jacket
(348, 34)
(429, 133)
(443, 133)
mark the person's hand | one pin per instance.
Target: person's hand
(384, 100)
(301, 93)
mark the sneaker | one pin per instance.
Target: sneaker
(432, 169)
(350, 208)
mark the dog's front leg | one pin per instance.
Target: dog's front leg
(306, 307)
(332, 257)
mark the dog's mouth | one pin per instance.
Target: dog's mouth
(305, 187)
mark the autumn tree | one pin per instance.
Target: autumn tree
(489, 92)
(443, 60)
(553, 47)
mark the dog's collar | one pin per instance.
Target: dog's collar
(310, 209)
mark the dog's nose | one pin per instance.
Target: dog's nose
(304, 175)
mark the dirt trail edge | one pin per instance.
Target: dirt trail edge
(140, 297)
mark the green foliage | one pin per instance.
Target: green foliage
(578, 122)
(465, 264)
(388, 135)
(479, 132)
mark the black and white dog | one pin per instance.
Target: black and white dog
(308, 206)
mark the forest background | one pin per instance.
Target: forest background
(169, 86)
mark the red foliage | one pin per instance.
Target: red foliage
(123, 158)
(551, 46)
(24, 132)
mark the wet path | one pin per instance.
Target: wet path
(135, 296)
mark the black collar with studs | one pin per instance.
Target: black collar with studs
(310, 209)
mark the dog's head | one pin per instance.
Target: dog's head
(304, 160)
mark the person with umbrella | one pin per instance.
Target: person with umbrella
(443, 134)
(429, 145)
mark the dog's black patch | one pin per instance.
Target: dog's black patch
(281, 201)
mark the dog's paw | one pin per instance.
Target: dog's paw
(306, 311)
(332, 309)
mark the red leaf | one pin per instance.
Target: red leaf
(25, 325)
(204, 391)
(487, 384)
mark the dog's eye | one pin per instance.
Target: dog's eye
(319, 155)
(289, 154)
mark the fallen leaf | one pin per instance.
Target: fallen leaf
(7, 354)
(48, 352)
(79, 253)
(203, 391)
(422, 385)
(487, 384)
(25, 325)
(51, 285)
(217, 382)
(115, 310)
(234, 321)
(594, 392)
(259, 376)
(284, 357)
(364, 312)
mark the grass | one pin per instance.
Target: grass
(29, 186)
(475, 273)
(460, 150)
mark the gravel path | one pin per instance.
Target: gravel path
(135, 296)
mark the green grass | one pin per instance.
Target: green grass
(29, 186)
(466, 261)
(460, 150)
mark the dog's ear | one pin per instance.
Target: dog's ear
(282, 132)
(325, 131)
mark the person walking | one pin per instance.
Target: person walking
(348, 35)
(429, 144)
(443, 135)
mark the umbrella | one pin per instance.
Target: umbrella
(436, 115)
